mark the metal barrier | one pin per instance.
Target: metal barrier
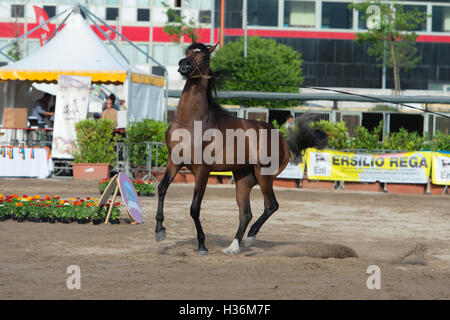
(20, 137)
(150, 150)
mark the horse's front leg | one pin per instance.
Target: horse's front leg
(201, 180)
(171, 172)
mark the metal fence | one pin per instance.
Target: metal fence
(148, 150)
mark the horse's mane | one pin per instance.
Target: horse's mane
(213, 83)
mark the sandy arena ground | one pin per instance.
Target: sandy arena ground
(297, 255)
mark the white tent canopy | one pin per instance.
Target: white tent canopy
(77, 50)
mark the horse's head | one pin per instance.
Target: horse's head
(196, 63)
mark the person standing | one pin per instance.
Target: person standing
(110, 112)
(41, 109)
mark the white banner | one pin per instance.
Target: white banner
(441, 169)
(292, 171)
(72, 102)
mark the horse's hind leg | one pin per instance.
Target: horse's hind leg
(270, 203)
(171, 172)
(244, 184)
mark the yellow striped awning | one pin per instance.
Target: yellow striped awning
(106, 77)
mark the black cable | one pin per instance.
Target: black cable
(334, 90)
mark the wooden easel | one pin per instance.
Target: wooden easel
(106, 194)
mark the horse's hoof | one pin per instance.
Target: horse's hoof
(202, 252)
(160, 236)
(233, 248)
(248, 241)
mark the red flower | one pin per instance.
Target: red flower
(38, 205)
(59, 206)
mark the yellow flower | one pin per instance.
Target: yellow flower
(37, 196)
(48, 202)
(73, 199)
(61, 202)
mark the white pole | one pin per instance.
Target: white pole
(244, 13)
(213, 21)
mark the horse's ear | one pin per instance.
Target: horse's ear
(212, 48)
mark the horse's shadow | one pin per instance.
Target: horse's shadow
(216, 243)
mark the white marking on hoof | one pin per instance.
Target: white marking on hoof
(248, 241)
(233, 248)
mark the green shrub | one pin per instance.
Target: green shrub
(95, 141)
(338, 137)
(364, 139)
(440, 142)
(403, 140)
(147, 130)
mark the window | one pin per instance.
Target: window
(112, 13)
(112, 2)
(158, 53)
(176, 14)
(336, 15)
(140, 58)
(143, 3)
(440, 19)
(51, 10)
(17, 11)
(2, 44)
(204, 16)
(422, 9)
(143, 14)
(173, 55)
(299, 14)
(262, 12)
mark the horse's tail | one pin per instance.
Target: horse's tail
(301, 136)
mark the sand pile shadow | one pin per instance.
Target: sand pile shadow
(416, 256)
(314, 250)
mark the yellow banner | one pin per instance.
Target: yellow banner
(407, 167)
(441, 168)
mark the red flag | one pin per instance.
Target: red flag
(46, 30)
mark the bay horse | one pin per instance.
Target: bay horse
(199, 113)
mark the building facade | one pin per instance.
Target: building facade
(323, 31)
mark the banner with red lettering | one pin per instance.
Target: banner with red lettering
(406, 167)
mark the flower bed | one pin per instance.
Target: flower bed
(143, 188)
(53, 209)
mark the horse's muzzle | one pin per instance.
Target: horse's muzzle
(185, 66)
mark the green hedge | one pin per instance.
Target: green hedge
(339, 138)
(147, 130)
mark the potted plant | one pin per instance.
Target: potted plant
(144, 188)
(94, 153)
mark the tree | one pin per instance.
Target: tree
(178, 28)
(391, 33)
(266, 61)
(14, 51)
